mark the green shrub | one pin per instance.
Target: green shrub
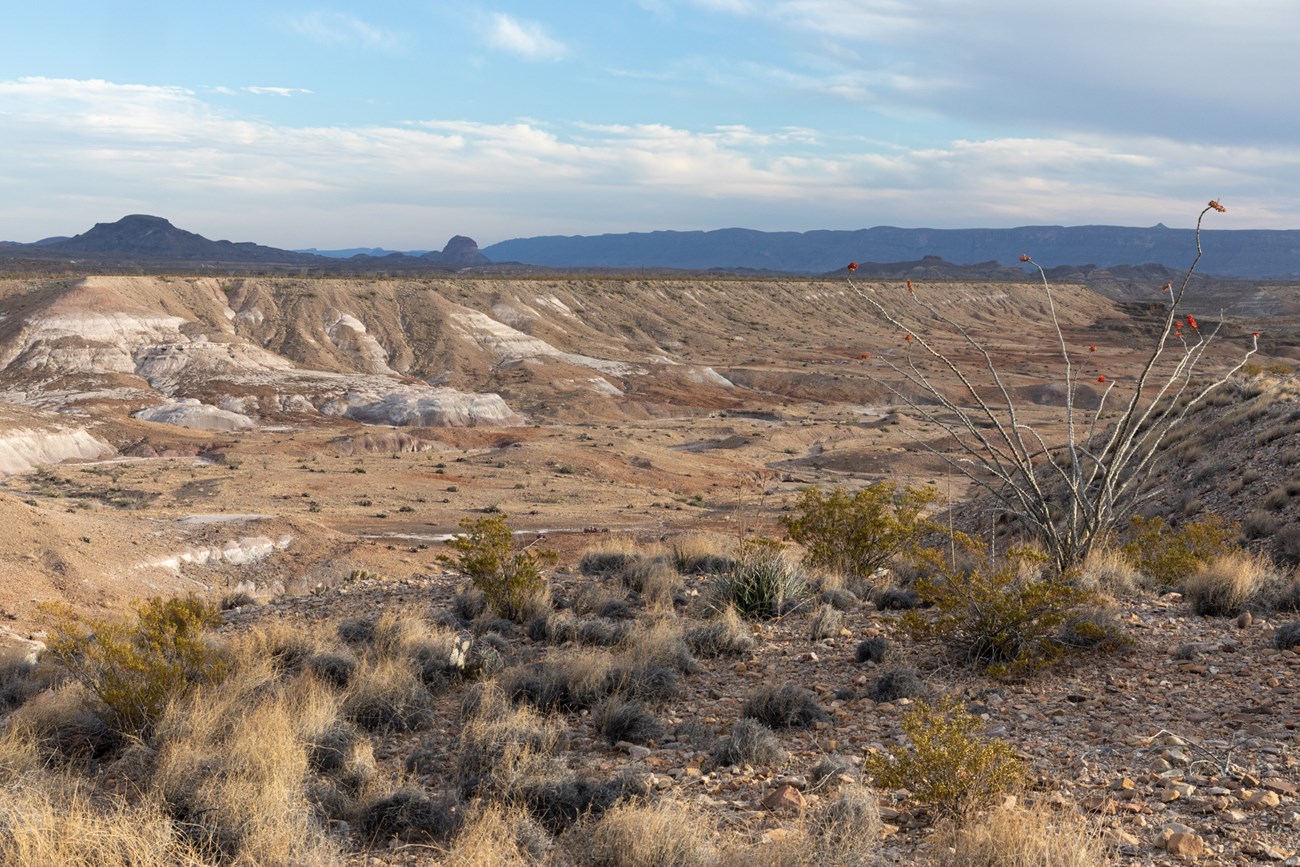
(511, 580)
(1005, 619)
(1168, 555)
(760, 584)
(136, 668)
(858, 533)
(948, 766)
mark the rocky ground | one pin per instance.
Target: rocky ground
(1183, 748)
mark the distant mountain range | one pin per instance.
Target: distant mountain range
(148, 241)
(1079, 251)
(1228, 253)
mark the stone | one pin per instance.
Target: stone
(1180, 841)
(1282, 787)
(1262, 798)
(784, 798)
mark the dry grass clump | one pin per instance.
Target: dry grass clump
(67, 725)
(895, 683)
(503, 749)
(845, 833)
(43, 826)
(725, 635)
(386, 695)
(601, 601)
(700, 553)
(1287, 636)
(784, 707)
(621, 720)
(233, 763)
(1024, 838)
(407, 815)
(824, 623)
(873, 649)
(660, 643)
(564, 681)
(1108, 570)
(748, 743)
(610, 557)
(1231, 582)
(496, 836)
(665, 834)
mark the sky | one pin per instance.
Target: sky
(399, 123)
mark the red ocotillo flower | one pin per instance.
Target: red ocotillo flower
(909, 287)
(1167, 287)
(1092, 347)
(853, 266)
(1214, 203)
(1191, 321)
(908, 338)
(864, 355)
(1025, 257)
(1101, 379)
(1256, 333)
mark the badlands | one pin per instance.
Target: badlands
(310, 445)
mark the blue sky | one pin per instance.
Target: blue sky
(400, 123)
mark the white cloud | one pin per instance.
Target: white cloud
(276, 91)
(526, 39)
(80, 152)
(338, 28)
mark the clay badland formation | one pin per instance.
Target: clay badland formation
(312, 442)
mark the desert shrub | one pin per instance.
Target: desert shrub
(1231, 582)
(621, 720)
(840, 599)
(356, 630)
(831, 771)
(333, 668)
(947, 765)
(388, 696)
(858, 533)
(557, 804)
(749, 742)
(470, 603)
(342, 750)
(1094, 629)
(1032, 838)
(21, 678)
(564, 681)
(1260, 524)
(895, 683)
(872, 649)
(502, 749)
(646, 681)
(725, 635)
(846, 832)
(606, 563)
(824, 623)
(1002, 619)
(601, 601)
(636, 835)
(1287, 636)
(602, 632)
(895, 598)
(1168, 554)
(135, 668)
(511, 580)
(656, 580)
(760, 584)
(783, 707)
(408, 815)
(1287, 545)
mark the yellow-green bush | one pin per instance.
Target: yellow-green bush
(948, 766)
(857, 533)
(511, 580)
(1005, 619)
(1169, 555)
(135, 667)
